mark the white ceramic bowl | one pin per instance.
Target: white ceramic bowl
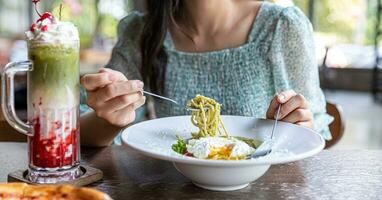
(155, 137)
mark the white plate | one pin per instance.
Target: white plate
(155, 137)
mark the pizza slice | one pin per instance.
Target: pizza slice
(12, 191)
(23, 191)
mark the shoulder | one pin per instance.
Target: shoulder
(125, 56)
(276, 22)
(272, 17)
(131, 26)
(133, 19)
(287, 16)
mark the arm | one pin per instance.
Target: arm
(97, 132)
(94, 130)
(292, 55)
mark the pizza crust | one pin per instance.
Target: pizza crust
(49, 192)
(12, 190)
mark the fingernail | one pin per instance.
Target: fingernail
(281, 98)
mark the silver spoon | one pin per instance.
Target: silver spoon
(266, 147)
(172, 101)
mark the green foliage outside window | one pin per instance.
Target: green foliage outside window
(89, 21)
(349, 21)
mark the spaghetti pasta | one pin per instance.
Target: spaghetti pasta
(212, 140)
(207, 117)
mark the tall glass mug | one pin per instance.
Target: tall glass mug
(53, 109)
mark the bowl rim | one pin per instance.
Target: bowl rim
(221, 163)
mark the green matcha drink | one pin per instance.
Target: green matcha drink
(55, 74)
(53, 100)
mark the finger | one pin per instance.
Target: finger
(272, 108)
(298, 115)
(99, 101)
(94, 81)
(284, 96)
(118, 89)
(132, 107)
(276, 101)
(125, 119)
(297, 101)
(121, 102)
(91, 100)
(115, 75)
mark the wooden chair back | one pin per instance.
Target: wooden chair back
(9, 134)
(337, 127)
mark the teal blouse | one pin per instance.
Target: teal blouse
(278, 55)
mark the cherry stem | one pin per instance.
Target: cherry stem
(35, 8)
(60, 10)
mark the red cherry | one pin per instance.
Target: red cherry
(46, 15)
(44, 28)
(35, 1)
(33, 27)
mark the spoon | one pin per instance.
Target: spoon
(266, 147)
(172, 101)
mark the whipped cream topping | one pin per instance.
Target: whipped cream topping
(51, 30)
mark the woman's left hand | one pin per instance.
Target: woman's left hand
(294, 109)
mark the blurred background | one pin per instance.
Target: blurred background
(347, 34)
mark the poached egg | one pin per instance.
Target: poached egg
(223, 148)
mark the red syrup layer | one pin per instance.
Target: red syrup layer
(52, 149)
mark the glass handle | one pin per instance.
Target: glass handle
(8, 94)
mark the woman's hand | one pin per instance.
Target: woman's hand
(294, 109)
(113, 97)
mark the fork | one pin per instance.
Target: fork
(172, 101)
(266, 147)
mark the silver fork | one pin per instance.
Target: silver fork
(172, 101)
(266, 147)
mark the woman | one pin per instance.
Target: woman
(239, 52)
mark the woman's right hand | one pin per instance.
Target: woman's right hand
(113, 97)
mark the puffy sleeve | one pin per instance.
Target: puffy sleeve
(126, 56)
(84, 108)
(292, 55)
